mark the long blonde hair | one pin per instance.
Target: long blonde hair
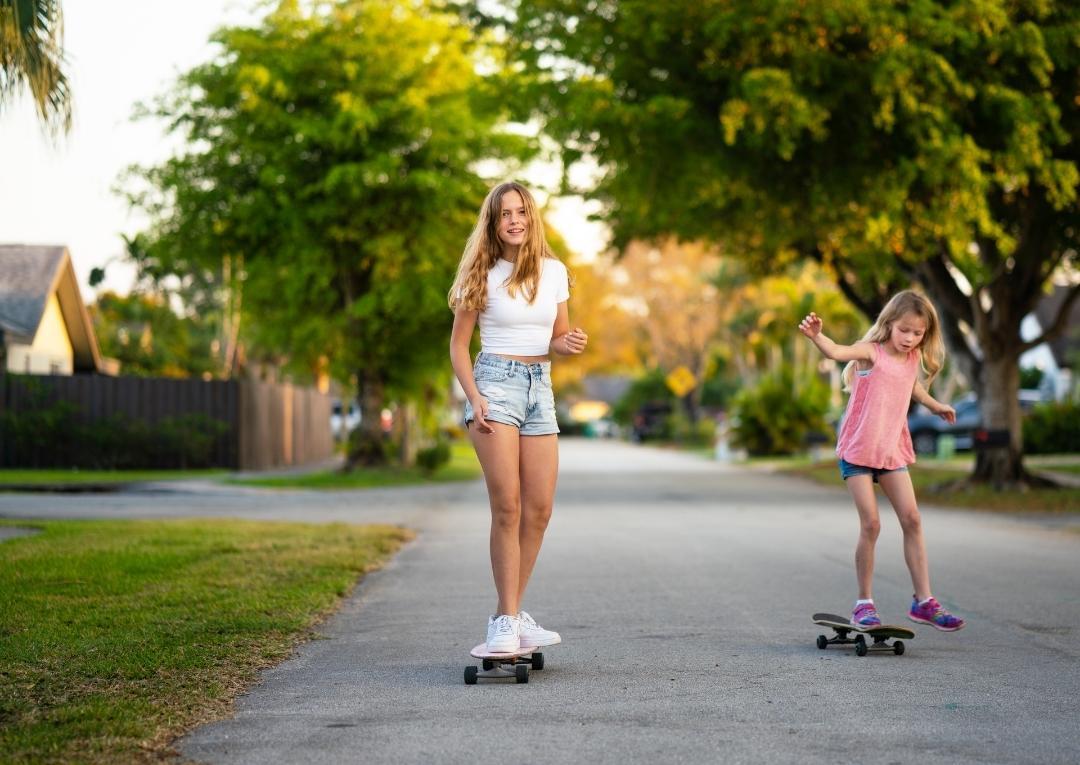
(931, 350)
(483, 249)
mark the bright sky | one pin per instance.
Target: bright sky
(122, 52)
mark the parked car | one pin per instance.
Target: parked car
(343, 420)
(927, 428)
(650, 421)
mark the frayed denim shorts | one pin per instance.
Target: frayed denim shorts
(517, 393)
(847, 470)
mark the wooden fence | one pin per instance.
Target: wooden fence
(266, 425)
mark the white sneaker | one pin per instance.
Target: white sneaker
(532, 634)
(502, 634)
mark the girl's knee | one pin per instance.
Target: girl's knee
(870, 528)
(537, 517)
(506, 512)
(911, 521)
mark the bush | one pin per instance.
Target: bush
(775, 417)
(47, 434)
(700, 433)
(1052, 428)
(433, 457)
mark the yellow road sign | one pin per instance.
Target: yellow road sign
(681, 381)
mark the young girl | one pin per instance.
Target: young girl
(510, 283)
(874, 444)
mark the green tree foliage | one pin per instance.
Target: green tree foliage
(890, 141)
(150, 340)
(32, 54)
(328, 185)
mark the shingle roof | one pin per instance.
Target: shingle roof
(27, 275)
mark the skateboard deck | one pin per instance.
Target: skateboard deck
(881, 635)
(500, 666)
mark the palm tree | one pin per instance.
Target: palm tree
(31, 52)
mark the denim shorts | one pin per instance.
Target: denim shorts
(847, 470)
(517, 393)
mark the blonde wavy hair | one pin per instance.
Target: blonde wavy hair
(931, 350)
(483, 249)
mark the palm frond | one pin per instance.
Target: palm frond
(32, 54)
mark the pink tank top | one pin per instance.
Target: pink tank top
(874, 431)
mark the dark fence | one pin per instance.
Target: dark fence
(248, 425)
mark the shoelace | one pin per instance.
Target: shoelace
(503, 626)
(528, 621)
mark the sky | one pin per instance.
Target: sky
(120, 53)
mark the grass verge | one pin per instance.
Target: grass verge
(463, 466)
(10, 478)
(925, 477)
(118, 636)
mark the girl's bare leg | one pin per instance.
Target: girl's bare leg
(539, 468)
(901, 494)
(498, 454)
(861, 488)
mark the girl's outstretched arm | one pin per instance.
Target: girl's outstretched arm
(944, 411)
(811, 327)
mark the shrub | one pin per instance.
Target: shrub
(1052, 428)
(776, 416)
(433, 457)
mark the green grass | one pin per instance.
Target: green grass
(463, 466)
(117, 636)
(76, 477)
(926, 476)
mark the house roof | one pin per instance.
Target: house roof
(29, 275)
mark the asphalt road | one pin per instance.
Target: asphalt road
(683, 591)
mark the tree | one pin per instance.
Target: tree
(32, 54)
(330, 181)
(889, 141)
(150, 340)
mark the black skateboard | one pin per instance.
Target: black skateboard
(842, 627)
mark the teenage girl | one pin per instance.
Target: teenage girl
(874, 444)
(511, 284)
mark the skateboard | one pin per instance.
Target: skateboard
(881, 635)
(500, 666)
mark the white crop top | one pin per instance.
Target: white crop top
(509, 325)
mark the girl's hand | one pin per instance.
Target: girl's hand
(945, 412)
(811, 325)
(480, 413)
(574, 342)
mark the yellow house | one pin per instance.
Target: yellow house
(44, 324)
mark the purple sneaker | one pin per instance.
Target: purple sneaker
(933, 614)
(865, 615)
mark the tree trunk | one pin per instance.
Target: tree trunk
(1000, 408)
(366, 443)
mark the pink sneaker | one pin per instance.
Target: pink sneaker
(865, 615)
(933, 614)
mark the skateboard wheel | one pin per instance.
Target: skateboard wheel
(488, 664)
(521, 673)
(860, 646)
(822, 642)
(898, 647)
(538, 661)
(470, 675)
